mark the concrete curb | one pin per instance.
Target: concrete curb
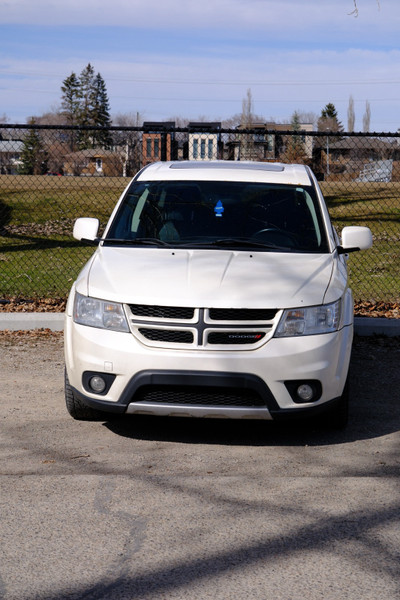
(369, 326)
(15, 321)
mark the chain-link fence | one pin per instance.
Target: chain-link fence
(49, 176)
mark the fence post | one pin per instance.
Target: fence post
(164, 138)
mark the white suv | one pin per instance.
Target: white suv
(219, 289)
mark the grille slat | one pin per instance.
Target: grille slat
(162, 312)
(167, 335)
(241, 314)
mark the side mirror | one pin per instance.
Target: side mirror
(86, 229)
(355, 238)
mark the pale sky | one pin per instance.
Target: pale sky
(198, 58)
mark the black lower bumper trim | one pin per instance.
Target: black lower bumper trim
(305, 411)
(98, 404)
(203, 379)
(206, 380)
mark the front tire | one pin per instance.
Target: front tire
(338, 417)
(76, 408)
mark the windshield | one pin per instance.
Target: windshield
(231, 214)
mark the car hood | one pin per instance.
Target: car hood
(207, 278)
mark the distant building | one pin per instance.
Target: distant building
(362, 158)
(204, 145)
(93, 162)
(255, 142)
(158, 141)
(282, 141)
(10, 156)
(255, 145)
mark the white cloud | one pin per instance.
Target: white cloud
(301, 17)
(159, 86)
(293, 54)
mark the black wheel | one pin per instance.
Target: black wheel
(76, 408)
(338, 417)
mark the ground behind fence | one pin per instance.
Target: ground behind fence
(47, 181)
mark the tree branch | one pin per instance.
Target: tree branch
(355, 11)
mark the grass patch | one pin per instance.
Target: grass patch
(38, 256)
(31, 270)
(40, 198)
(375, 273)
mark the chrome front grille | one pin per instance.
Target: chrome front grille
(201, 328)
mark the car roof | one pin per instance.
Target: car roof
(226, 170)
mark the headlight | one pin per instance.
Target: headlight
(309, 321)
(99, 313)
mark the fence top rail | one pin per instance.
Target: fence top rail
(167, 129)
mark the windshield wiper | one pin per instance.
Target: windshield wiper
(223, 242)
(135, 242)
(242, 243)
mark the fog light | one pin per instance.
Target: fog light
(97, 384)
(305, 392)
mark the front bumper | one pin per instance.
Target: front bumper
(208, 383)
(262, 371)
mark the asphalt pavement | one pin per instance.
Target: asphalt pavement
(148, 508)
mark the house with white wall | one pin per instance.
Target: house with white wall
(204, 141)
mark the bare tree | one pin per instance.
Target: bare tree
(180, 121)
(367, 117)
(132, 119)
(355, 11)
(247, 110)
(307, 117)
(126, 143)
(248, 149)
(246, 118)
(351, 118)
(53, 117)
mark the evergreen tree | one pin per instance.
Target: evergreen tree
(33, 156)
(70, 104)
(295, 152)
(101, 112)
(87, 78)
(329, 112)
(329, 120)
(296, 141)
(70, 100)
(85, 103)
